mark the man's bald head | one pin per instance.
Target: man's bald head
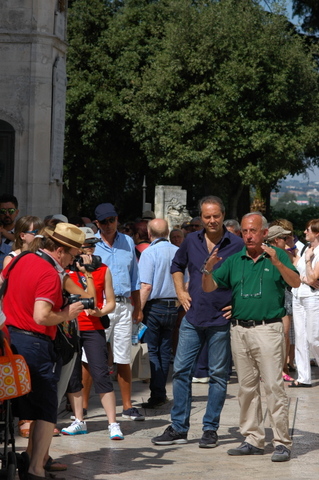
(157, 228)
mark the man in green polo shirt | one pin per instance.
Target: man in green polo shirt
(257, 276)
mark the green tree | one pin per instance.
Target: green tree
(309, 11)
(233, 95)
(215, 96)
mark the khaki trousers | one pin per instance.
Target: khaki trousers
(259, 352)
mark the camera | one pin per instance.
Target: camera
(89, 267)
(87, 303)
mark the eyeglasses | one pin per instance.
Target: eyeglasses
(10, 211)
(107, 221)
(242, 286)
(32, 232)
(249, 295)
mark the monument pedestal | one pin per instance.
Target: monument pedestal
(170, 204)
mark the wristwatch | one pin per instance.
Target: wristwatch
(207, 272)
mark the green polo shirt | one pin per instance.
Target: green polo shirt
(258, 288)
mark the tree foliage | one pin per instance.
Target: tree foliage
(215, 96)
(309, 11)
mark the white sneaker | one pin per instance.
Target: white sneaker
(200, 380)
(76, 428)
(115, 432)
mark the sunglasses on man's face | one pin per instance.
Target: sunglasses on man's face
(107, 221)
(10, 211)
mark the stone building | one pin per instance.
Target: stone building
(32, 102)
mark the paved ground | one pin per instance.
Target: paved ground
(95, 456)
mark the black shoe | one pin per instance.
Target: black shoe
(154, 403)
(245, 449)
(281, 454)
(170, 437)
(209, 439)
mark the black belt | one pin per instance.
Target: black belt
(169, 302)
(253, 323)
(42, 336)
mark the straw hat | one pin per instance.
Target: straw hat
(67, 234)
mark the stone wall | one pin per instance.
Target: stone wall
(32, 100)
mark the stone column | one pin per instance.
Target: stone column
(33, 87)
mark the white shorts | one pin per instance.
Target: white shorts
(119, 333)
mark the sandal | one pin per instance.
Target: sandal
(56, 432)
(52, 466)
(297, 384)
(287, 378)
(24, 432)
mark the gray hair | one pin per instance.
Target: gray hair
(232, 223)
(263, 219)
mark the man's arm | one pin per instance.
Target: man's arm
(137, 314)
(290, 276)
(7, 234)
(145, 291)
(208, 283)
(43, 314)
(181, 292)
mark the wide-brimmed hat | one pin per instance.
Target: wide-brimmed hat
(277, 231)
(89, 235)
(67, 234)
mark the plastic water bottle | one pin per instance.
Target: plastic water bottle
(135, 334)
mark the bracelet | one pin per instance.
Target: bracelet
(89, 276)
(307, 261)
(206, 272)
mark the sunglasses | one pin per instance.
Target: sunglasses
(283, 238)
(88, 246)
(10, 211)
(107, 221)
(32, 232)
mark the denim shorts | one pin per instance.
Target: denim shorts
(94, 344)
(42, 402)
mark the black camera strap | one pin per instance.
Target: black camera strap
(81, 280)
(46, 257)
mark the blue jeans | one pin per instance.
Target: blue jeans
(160, 320)
(190, 341)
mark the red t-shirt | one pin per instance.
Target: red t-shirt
(88, 322)
(31, 279)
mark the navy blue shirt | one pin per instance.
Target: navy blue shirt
(205, 310)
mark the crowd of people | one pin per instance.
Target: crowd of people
(211, 292)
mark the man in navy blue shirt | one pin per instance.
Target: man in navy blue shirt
(204, 321)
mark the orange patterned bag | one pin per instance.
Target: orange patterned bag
(14, 374)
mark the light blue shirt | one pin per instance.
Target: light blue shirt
(154, 266)
(5, 248)
(121, 260)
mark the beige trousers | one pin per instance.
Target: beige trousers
(259, 352)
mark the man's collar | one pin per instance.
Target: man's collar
(58, 266)
(225, 235)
